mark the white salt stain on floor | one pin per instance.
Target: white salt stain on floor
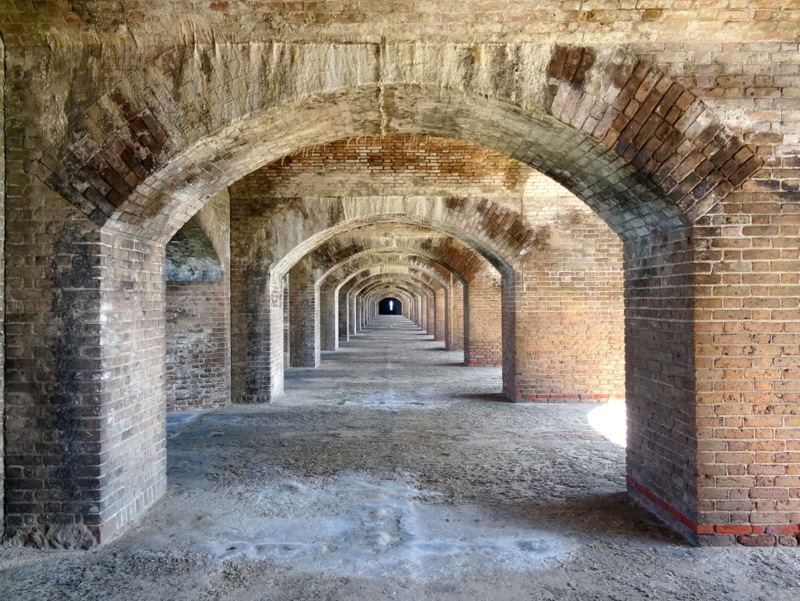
(352, 524)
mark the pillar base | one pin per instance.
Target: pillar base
(748, 535)
(563, 398)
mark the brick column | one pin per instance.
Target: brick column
(455, 315)
(440, 327)
(257, 314)
(353, 304)
(568, 337)
(85, 391)
(344, 315)
(2, 264)
(430, 311)
(328, 318)
(661, 377)
(483, 336)
(304, 316)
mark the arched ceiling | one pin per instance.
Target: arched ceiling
(400, 200)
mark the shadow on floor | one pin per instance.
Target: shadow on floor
(490, 397)
(614, 514)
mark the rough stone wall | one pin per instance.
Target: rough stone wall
(612, 21)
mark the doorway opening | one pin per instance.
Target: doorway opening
(390, 306)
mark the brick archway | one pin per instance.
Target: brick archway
(370, 287)
(639, 149)
(595, 120)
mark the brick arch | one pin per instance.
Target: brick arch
(297, 230)
(407, 301)
(427, 275)
(461, 260)
(396, 288)
(335, 281)
(633, 143)
(341, 272)
(645, 154)
(412, 283)
(446, 324)
(335, 310)
(406, 297)
(388, 288)
(499, 244)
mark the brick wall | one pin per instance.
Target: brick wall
(198, 345)
(483, 319)
(395, 164)
(746, 328)
(198, 366)
(569, 336)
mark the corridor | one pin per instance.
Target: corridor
(394, 472)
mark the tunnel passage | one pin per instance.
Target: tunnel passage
(390, 306)
(116, 169)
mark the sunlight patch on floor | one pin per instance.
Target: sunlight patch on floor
(609, 420)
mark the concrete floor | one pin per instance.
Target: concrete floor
(393, 472)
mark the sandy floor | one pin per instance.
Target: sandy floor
(394, 473)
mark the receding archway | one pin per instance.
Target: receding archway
(643, 179)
